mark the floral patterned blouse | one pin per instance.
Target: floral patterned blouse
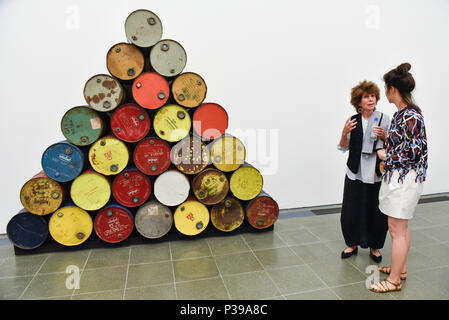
(406, 145)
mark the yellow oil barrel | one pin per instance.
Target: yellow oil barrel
(210, 186)
(191, 217)
(228, 153)
(70, 226)
(90, 191)
(189, 89)
(41, 195)
(172, 123)
(246, 182)
(109, 156)
(227, 215)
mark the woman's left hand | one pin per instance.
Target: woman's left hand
(380, 132)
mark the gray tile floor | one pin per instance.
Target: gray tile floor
(299, 259)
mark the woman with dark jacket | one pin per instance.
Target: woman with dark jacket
(362, 222)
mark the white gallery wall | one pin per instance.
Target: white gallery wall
(283, 70)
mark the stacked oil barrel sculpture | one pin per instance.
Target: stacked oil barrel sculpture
(146, 155)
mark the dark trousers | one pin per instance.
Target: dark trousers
(362, 223)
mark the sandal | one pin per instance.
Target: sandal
(387, 270)
(382, 287)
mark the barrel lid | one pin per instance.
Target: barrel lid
(246, 183)
(172, 123)
(210, 186)
(210, 121)
(152, 156)
(227, 215)
(109, 156)
(125, 61)
(131, 188)
(103, 93)
(62, 161)
(90, 191)
(189, 89)
(130, 123)
(150, 90)
(70, 226)
(168, 58)
(113, 224)
(153, 220)
(227, 153)
(82, 125)
(171, 188)
(27, 231)
(191, 217)
(143, 28)
(41, 195)
(190, 155)
(262, 212)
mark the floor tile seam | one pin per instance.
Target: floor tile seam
(263, 267)
(219, 272)
(81, 274)
(173, 269)
(127, 272)
(35, 274)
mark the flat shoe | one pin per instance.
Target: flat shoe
(345, 255)
(376, 259)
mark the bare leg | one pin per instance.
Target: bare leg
(400, 245)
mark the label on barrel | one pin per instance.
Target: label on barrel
(152, 156)
(191, 218)
(113, 224)
(81, 126)
(153, 220)
(189, 90)
(131, 188)
(210, 186)
(190, 155)
(172, 123)
(109, 156)
(41, 196)
(62, 162)
(130, 123)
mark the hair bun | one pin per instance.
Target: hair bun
(404, 68)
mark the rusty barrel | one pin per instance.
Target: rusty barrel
(109, 155)
(246, 182)
(82, 126)
(103, 93)
(171, 188)
(131, 188)
(125, 61)
(262, 211)
(210, 186)
(210, 121)
(130, 123)
(114, 223)
(70, 226)
(143, 28)
(90, 190)
(153, 220)
(227, 153)
(152, 156)
(172, 123)
(63, 161)
(191, 217)
(26, 230)
(41, 195)
(228, 214)
(168, 58)
(190, 155)
(189, 90)
(150, 90)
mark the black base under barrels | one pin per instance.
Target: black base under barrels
(94, 242)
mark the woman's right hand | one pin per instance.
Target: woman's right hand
(349, 126)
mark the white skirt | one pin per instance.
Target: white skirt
(399, 200)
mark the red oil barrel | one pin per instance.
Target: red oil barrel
(143, 28)
(168, 58)
(82, 126)
(103, 93)
(130, 123)
(171, 188)
(41, 195)
(153, 220)
(262, 212)
(189, 90)
(190, 155)
(210, 186)
(114, 223)
(152, 156)
(150, 90)
(131, 188)
(125, 61)
(210, 121)
(227, 215)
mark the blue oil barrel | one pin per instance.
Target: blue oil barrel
(63, 161)
(27, 231)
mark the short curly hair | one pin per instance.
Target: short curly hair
(358, 91)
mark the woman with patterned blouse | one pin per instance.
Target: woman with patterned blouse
(404, 171)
